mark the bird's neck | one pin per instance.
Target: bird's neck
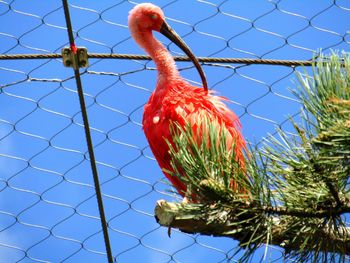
(165, 63)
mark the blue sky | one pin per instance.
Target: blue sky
(48, 211)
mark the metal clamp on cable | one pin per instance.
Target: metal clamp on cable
(69, 61)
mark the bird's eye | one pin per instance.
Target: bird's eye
(154, 16)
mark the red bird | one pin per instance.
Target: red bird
(174, 99)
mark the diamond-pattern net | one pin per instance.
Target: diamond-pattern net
(48, 208)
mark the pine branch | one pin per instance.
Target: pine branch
(207, 220)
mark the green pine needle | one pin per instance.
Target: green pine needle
(210, 167)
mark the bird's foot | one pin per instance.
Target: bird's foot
(185, 200)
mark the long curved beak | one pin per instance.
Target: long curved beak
(167, 31)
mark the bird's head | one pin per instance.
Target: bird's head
(148, 17)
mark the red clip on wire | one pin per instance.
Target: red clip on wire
(73, 48)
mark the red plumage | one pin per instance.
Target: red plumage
(174, 99)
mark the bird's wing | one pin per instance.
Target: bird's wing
(196, 106)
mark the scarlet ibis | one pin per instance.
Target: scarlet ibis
(174, 99)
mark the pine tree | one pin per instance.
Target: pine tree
(294, 191)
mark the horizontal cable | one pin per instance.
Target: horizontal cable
(29, 56)
(177, 58)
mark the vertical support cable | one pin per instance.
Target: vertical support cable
(87, 134)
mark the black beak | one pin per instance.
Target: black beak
(167, 31)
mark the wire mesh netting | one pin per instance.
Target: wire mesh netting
(48, 208)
